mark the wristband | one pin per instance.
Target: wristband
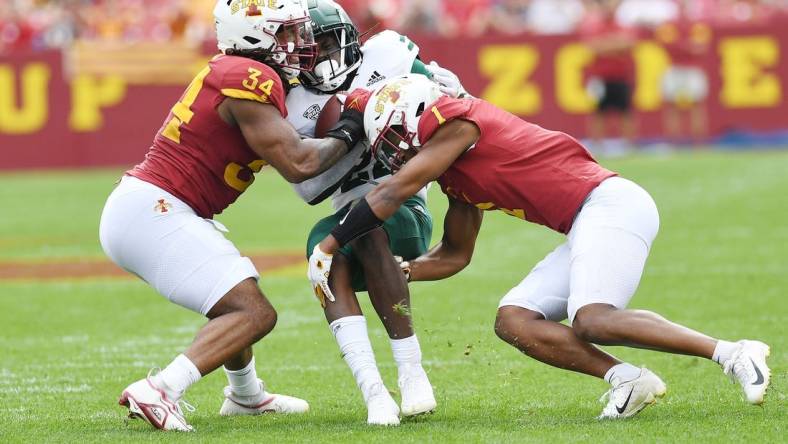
(359, 221)
(349, 128)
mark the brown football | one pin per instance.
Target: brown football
(329, 115)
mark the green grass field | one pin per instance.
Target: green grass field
(720, 264)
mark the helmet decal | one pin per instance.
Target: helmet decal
(252, 7)
(279, 32)
(253, 11)
(388, 94)
(392, 117)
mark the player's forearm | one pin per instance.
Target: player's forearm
(339, 139)
(367, 214)
(321, 154)
(438, 263)
(387, 197)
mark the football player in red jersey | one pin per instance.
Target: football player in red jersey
(157, 223)
(487, 159)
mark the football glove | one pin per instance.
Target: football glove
(350, 127)
(448, 82)
(318, 272)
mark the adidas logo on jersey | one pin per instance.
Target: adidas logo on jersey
(312, 112)
(375, 78)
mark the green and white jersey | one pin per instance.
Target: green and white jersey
(385, 55)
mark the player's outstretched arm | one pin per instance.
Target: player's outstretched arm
(455, 250)
(276, 141)
(436, 156)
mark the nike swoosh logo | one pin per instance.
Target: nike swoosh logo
(626, 403)
(758, 374)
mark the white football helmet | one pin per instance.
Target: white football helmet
(391, 117)
(279, 29)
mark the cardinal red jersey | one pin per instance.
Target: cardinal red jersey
(196, 155)
(616, 66)
(517, 167)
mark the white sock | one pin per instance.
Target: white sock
(244, 382)
(724, 351)
(622, 373)
(353, 340)
(177, 377)
(407, 352)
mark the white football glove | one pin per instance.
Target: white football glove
(319, 269)
(448, 82)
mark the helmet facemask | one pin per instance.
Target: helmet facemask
(295, 50)
(339, 55)
(395, 145)
(339, 49)
(278, 33)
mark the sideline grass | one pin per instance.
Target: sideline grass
(67, 349)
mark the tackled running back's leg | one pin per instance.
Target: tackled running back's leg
(386, 284)
(389, 294)
(349, 327)
(345, 300)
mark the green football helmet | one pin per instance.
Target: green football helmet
(338, 45)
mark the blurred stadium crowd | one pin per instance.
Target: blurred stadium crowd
(42, 24)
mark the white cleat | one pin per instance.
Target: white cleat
(626, 399)
(416, 390)
(268, 403)
(148, 402)
(381, 407)
(748, 367)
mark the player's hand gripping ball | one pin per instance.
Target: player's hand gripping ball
(319, 269)
(350, 126)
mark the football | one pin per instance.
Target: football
(329, 115)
